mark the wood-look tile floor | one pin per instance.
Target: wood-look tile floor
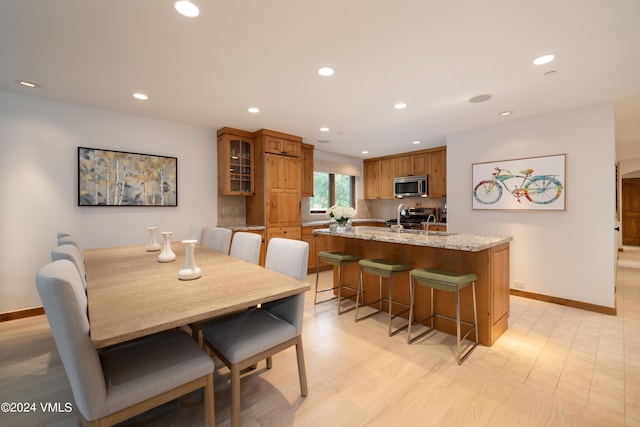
(554, 366)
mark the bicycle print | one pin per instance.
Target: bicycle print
(531, 188)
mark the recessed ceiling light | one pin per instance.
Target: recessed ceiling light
(480, 98)
(400, 106)
(253, 110)
(544, 59)
(324, 129)
(324, 141)
(505, 113)
(326, 71)
(28, 84)
(416, 142)
(365, 152)
(140, 96)
(186, 8)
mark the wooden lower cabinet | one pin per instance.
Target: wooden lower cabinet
(284, 232)
(316, 243)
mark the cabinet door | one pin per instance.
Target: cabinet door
(273, 145)
(403, 166)
(437, 174)
(385, 183)
(235, 165)
(283, 208)
(282, 172)
(420, 164)
(371, 178)
(306, 161)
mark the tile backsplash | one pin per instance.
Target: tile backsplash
(232, 210)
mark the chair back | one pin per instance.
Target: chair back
(220, 239)
(290, 257)
(70, 240)
(65, 305)
(196, 232)
(246, 246)
(71, 253)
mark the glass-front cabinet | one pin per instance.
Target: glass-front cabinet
(235, 162)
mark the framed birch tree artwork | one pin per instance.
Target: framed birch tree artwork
(118, 178)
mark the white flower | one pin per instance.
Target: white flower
(341, 213)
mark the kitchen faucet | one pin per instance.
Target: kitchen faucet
(426, 223)
(398, 226)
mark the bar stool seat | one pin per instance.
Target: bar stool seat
(338, 259)
(446, 281)
(383, 269)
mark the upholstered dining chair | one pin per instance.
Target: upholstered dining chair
(246, 246)
(71, 253)
(243, 339)
(197, 232)
(122, 381)
(70, 240)
(220, 239)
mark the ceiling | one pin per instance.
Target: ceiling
(432, 55)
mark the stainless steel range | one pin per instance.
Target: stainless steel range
(411, 218)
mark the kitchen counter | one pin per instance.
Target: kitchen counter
(486, 256)
(433, 239)
(242, 227)
(322, 222)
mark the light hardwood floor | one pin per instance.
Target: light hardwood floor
(554, 366)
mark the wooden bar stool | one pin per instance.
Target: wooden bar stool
(383, 269)
(448, 282)
(338, 259)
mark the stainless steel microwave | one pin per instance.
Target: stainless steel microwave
(411, 186)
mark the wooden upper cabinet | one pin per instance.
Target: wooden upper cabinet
(410, 165)
(282, 172)
(379, 172)
(281, 146)
(236, 172)
(378, 178)
(306, 160)
(438, 173)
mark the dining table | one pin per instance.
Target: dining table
(131, 294)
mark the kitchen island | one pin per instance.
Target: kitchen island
(486, 256)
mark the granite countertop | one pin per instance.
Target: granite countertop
(242, 227)
(434, 239)
(353, 221)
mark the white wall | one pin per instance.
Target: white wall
(38, 172)
(568, 254)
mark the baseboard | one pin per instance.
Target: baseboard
(567, 302)
(20, 314)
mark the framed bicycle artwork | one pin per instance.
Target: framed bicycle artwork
(535, 183)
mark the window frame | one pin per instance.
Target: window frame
(332, 193)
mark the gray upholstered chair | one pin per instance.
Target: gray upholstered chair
(71, 253)
(220, 239)
(246, 246)
(123, 381)
(197, 232)
(241, 340)
(70, 240)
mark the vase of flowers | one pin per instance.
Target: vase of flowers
(342, 216)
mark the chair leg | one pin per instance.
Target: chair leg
(360, 287)
(315, 298)
(302, 372)
(412, 290)
(209, 410)
(458, 325)
(235, 396)
(269, 362)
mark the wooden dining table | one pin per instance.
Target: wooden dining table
(131, 295)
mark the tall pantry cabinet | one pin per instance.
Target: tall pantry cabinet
(276, 202)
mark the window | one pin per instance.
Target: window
(332, 189)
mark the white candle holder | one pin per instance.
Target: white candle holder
(166, 255)
(189, 270)
(153, 245)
